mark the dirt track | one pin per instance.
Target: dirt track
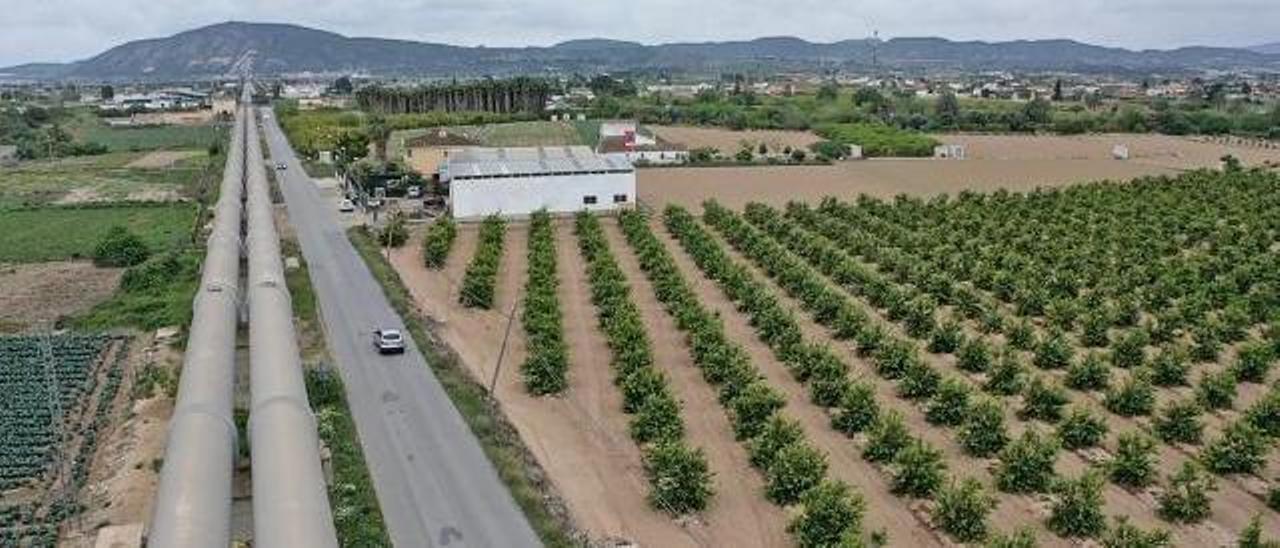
(31, 294)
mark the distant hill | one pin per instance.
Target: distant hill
(1269, 49)
(225, 48)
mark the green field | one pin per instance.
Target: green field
(58, 233)
(512, 134)
(86, 126)
(106, 177)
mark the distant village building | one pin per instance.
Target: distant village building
(426, 153)
(515, 182)
(949, 152)
(623, 140)
(169, 99)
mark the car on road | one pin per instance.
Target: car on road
(281, 166)
(388, 341)
(346, 206)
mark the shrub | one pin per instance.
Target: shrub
(1091, 373)
(1134, 464)
(1130, 351)
(949, 404)
(830, 513)
(975, 355)
(1076, 510)
(1123, 534)
(1217, 390)
(1042, 400)
(777, 434)
(1241, 449)
(155, 273)
(1273, 498)
(1007, 377)
(641, 385)
(1022, 538)
(120, 248)
(858, 409)
(1094, 331)
(946, 338)
(1179, 422)
(1254, 362)
(1170, 368)
(1186, 498)
(1081, 429)
(1134, 397)
(657, 419)
(796, 469)
(918, 469)
(887, 436)
(1208, 344)
(482, 271)
(1053, 353)
(753, 408)
(962, 510)
(1022, 336)
(919, 382)
(438, 241)
(680, 478)
(395, 233)
(894, 358)
(983, 433)
(1026, 464)
(1251, 536)
(1265, 413)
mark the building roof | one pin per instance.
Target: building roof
(480, 163)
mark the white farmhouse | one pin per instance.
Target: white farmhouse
(515, 182)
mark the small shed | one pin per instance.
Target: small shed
(949, 151)
(855, 152)
(1120, 152)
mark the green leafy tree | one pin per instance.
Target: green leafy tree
(1135, 396)
(1240, 449)
(1251, 536)
(1042, 400)
(1026, 464)
(983, 433)
(1217, 390)
(962, 509)
(949, 404)
(778, 433)
(886, 438)
(1170, 367)
(858, 409)
(1130, 350)
(831, 513)
(795, 469)
(1134, 463)
(1053, 353)
(1081, 428)
(1123, 534)
(1264, 414)
(975, 355)
(918, 469)
(1186, 497)
(1007, 377)
(753, 407)
(1091, 373)
(1179, 422)
(681, 480)
(920, 381)
(379, 132)
(1254, 361)
(120, 248)
(1076, 510)
(1021, 538)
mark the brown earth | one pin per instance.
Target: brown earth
(39, 293)
(162, 159)
(1018, 163)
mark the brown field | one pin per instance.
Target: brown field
(729, 142)
(162, 159)
(32, 295)
(1016, 163)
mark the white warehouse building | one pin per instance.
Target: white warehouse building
(515, 182)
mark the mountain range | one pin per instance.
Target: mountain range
(222, 49)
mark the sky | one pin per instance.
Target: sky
(67, 30)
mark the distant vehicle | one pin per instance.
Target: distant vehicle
(415, 192)
(346, 206)
(388, 341)
(373, 203)
(281, 167)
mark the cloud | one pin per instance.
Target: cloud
(63, 30)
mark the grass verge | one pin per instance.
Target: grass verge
(514, 463)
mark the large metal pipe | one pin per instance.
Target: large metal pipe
(193, 500)
(290, 501)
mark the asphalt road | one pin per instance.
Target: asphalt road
(433, 481)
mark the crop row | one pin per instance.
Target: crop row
(438, 241)
(795, 472)
(1041, 401)
(679, 479)
(482, 272)
(547, 359)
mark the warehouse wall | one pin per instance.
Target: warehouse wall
(519, 197)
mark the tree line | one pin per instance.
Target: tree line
(516, 95)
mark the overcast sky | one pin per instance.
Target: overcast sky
(65, 30)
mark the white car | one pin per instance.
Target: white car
(346, 206)
(388, 341)
(281, 166)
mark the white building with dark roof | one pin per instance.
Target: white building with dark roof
(515, 182)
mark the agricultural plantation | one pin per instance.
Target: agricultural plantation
(57, 393)
(1087, 362)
